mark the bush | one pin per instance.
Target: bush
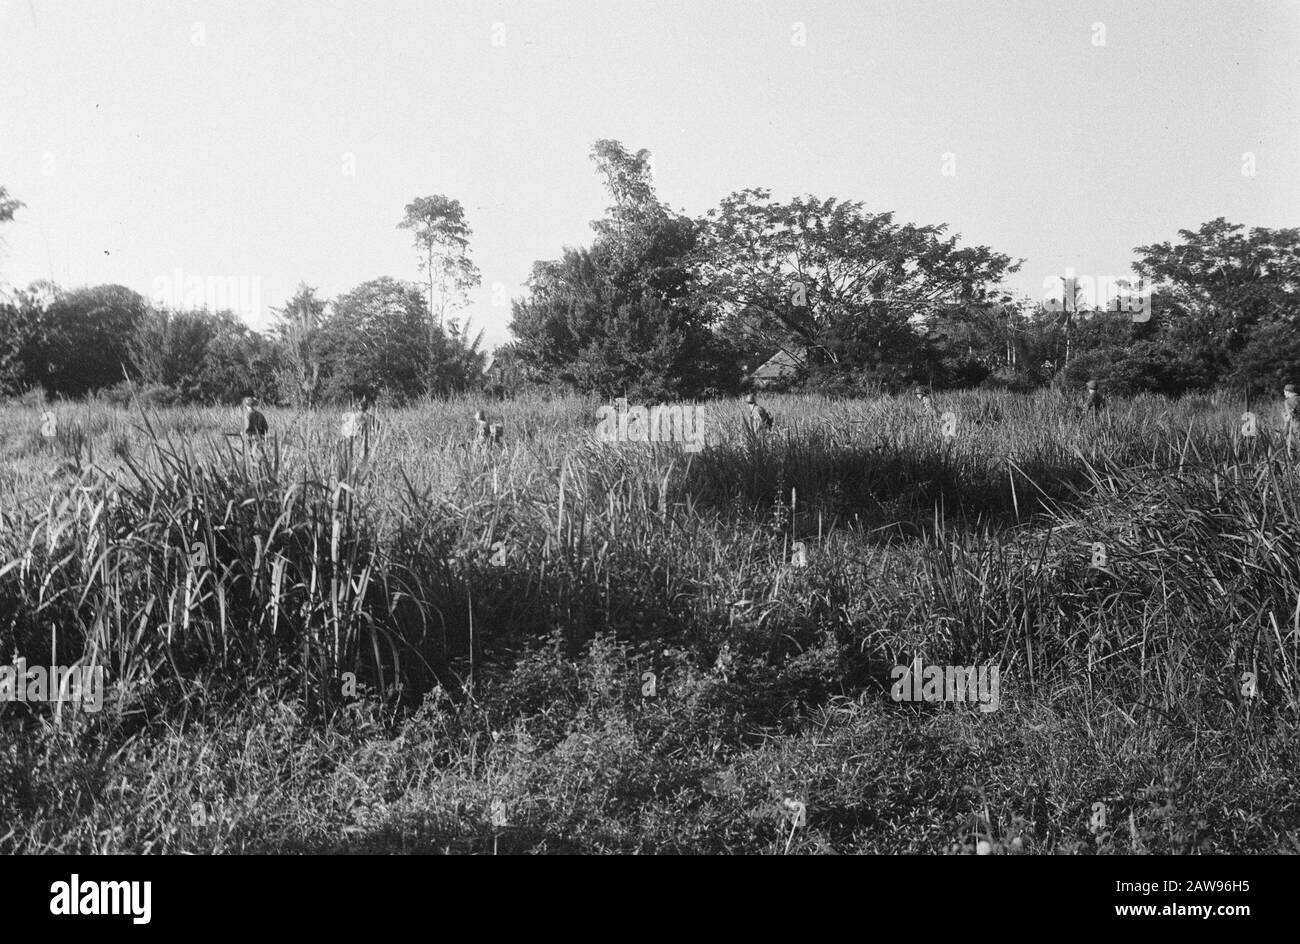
(127, 394)
(1008, 380)
(1144, 367)
(1270, 360)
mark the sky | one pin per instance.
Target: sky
(254, 145)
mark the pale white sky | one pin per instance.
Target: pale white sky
(213, 137)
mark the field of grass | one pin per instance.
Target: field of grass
(396, 643)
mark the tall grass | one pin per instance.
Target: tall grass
(205, 572)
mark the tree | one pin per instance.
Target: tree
(629, 182)
(23, 343)
(240, 362)
(169, 349)
(87, 338)
(204, 357)
(375, 340)
(1225, 282)
(618, 318)
(508, 374)
(1220, 289)
(8, 206)
(298, 329)
(842, 283)
(442, 240)
(1270, 359)
(457, 360)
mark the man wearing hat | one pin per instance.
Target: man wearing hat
(759, 419)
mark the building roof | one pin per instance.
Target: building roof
(779, 366)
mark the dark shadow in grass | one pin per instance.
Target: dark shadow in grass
(891, 493)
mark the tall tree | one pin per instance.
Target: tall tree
(442, 241)
(1220, 282)
(630, 184)
(845, 284)
(376, 342)
(23, 345)
(169, 348)
(8, 206)
(618, 318)
(298, 329)
(204, 357)
(88, 338)
(458, 359)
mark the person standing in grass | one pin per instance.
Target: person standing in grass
(366, 423)
(485, 433)
(482, 430)
(1093, 401)
(760, 420)
(927, 403)
(254, 431)
(254, 422)
(1290, 412)
(368, 411)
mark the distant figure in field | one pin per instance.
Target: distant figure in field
(254, 422)
(759, 419)
(927, 404)
(485, 433)
(1290, 411)
(361, 422)
(1093, 401)
(1290, 403)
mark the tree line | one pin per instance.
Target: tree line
(376, 343)
(663, 306)
(386, 340)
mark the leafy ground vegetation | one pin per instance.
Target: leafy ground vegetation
(397, 643)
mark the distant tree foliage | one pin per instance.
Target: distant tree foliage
(661, 306)
(442, 242)
(1224, 314)
(22, 338)
(848, 286)
(204, 357)
(374, 339)
(8, 206)
(456, 360)
(298, 331)
(629, 181)
(1223, 282)
(87, 338)
(619, 318)
(373, 342)
(377, 344)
